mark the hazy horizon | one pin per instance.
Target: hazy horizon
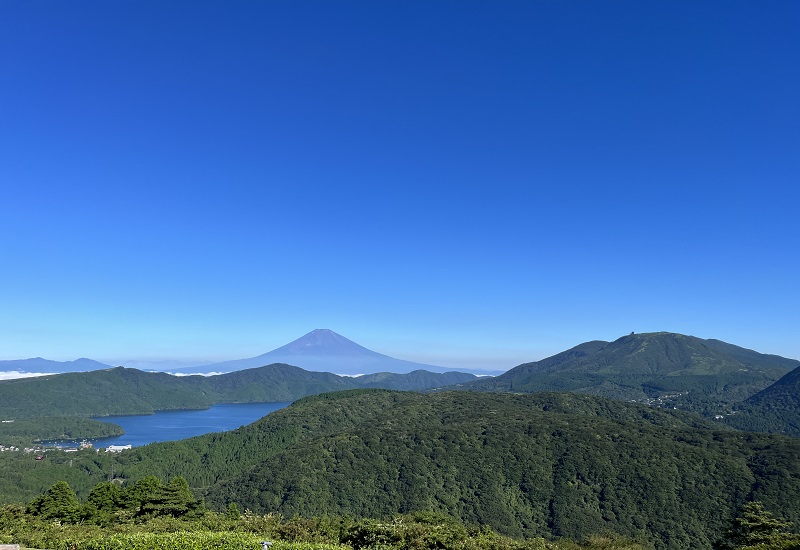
(170, 365)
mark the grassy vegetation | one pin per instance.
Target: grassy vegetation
(131, 520)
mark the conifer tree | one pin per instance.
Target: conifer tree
(756, 527)
(59, 503)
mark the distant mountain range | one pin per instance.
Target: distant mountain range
(37, 364)
(326, 351)
(320, 350)
(747, 389)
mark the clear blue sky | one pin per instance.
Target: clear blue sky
(455, 182)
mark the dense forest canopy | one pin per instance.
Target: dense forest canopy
(539, 465)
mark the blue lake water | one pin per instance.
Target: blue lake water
(175, 425)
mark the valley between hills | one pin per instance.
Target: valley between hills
(643, 437)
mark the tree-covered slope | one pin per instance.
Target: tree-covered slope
(26, 430)
(276, 382)
(783, 394)
(129, 391)
(210, 458)
(104, 392)
(685, 371)
(775, 409)
(542, 464)
(413, 381)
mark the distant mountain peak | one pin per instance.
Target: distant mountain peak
(324, 332)
(324, 341)
(322, 336)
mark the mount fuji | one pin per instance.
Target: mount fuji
(327, 351)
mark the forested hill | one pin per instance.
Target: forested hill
(775, 409)
(104, 392)
(130, 391)
(783, 393)
(684, 371)
(543, 464)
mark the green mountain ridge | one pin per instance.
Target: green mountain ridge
(775, 409)
(690, 372)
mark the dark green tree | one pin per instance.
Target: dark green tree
(174, 499)
(59, 503)
(107, 497)
(104, 500)
(136, 495)
(756, 527)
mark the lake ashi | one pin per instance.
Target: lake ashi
(175, 425)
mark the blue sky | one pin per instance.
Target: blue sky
(460, 183)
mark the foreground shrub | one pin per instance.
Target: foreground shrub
(184, 540)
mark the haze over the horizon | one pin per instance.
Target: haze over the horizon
(463, 184)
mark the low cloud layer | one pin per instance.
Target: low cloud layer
(13, 374)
